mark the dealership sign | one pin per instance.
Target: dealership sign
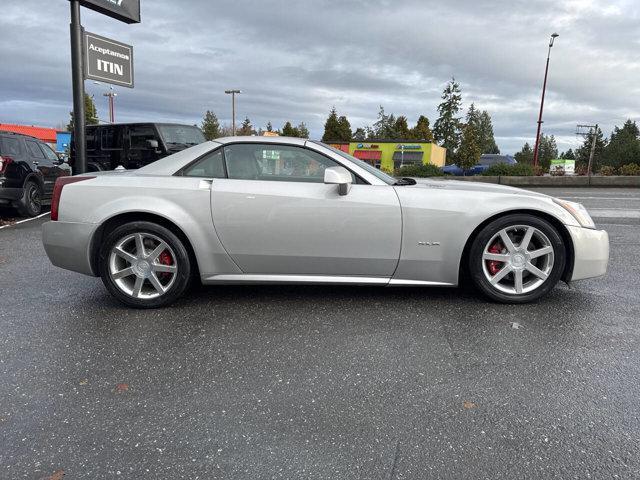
(127, 11)
(408, 147)
(108, 61)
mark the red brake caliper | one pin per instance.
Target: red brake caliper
(495, 266)
(165, 259)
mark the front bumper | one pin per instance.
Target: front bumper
(591, 252)
(68, 245)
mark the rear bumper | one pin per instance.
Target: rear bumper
(591, 252)
(68, 245)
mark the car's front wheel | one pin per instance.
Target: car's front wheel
(517, 258)
(144, 265)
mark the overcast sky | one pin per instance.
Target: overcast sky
(293, 60)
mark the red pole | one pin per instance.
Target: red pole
(544, 89)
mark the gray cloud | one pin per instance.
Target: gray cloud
(294, 60)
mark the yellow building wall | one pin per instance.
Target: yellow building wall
(432, 153)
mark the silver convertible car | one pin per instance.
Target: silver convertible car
(247, 210)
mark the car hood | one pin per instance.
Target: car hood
(466, 186)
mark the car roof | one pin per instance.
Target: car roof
(16, 134)
(260, 139)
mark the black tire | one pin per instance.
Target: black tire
(30, 205)
(182, 261)
(476, 265)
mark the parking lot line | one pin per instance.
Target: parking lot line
(25, 221)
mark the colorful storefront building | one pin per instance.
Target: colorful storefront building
(392, 154)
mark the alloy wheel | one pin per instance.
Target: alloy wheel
(518, 259)
(143, 266)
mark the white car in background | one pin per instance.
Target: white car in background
(288, 210)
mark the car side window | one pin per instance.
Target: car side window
(34, 149)
(209, 166)
(112, 138)
(272, 162)
(138, 136)
(49, 153)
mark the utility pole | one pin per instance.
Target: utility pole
(79, 140)
(593, 131)
(544, 89)
(233, 109)
(112, 105)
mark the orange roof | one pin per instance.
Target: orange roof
(47, 135)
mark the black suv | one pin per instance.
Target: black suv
(134, 145)
(28, 170)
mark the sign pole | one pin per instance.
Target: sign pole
(79, 138)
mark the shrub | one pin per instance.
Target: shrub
(428, 170)
(581, 169)
(607, 170)
(386, 170)
(506, 170)
(630, 169)
(539, 170)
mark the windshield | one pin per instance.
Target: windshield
(388, 179)
(181, 135)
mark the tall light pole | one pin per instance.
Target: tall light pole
(233, 109)
(544, 88)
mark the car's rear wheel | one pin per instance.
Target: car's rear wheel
(144, 265)
(30, 205)
(517, 258)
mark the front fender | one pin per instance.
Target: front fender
(438, 221)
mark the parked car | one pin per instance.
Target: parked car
(134, 145)
(289, 210)
(29, 169)
(486, 161)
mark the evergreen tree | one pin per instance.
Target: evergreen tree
(486, 138)
(422, 131)
(210, 126)
(90, 113)
(401, 128)
(360, 134)
(269, 127)
(525, 155)
(303, 131)
(473, 117)
(547, 151)
(383, 127)
(568, 155)
(289, 130)
(583, 152)
(332, 127)
(246, 129)
(446, 130)
(344, 129)
(624, 145)
(469, 152)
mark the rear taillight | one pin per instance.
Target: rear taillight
(4, 163)
(57, 192)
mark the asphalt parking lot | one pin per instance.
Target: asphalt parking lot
(322, 382)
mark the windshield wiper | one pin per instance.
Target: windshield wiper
(405, 181)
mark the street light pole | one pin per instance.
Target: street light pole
(544, 88)
(79, 140)
(233, 109)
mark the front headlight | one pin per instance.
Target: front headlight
(578, 211)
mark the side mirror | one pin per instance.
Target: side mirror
(152, 144)
(338, 176)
